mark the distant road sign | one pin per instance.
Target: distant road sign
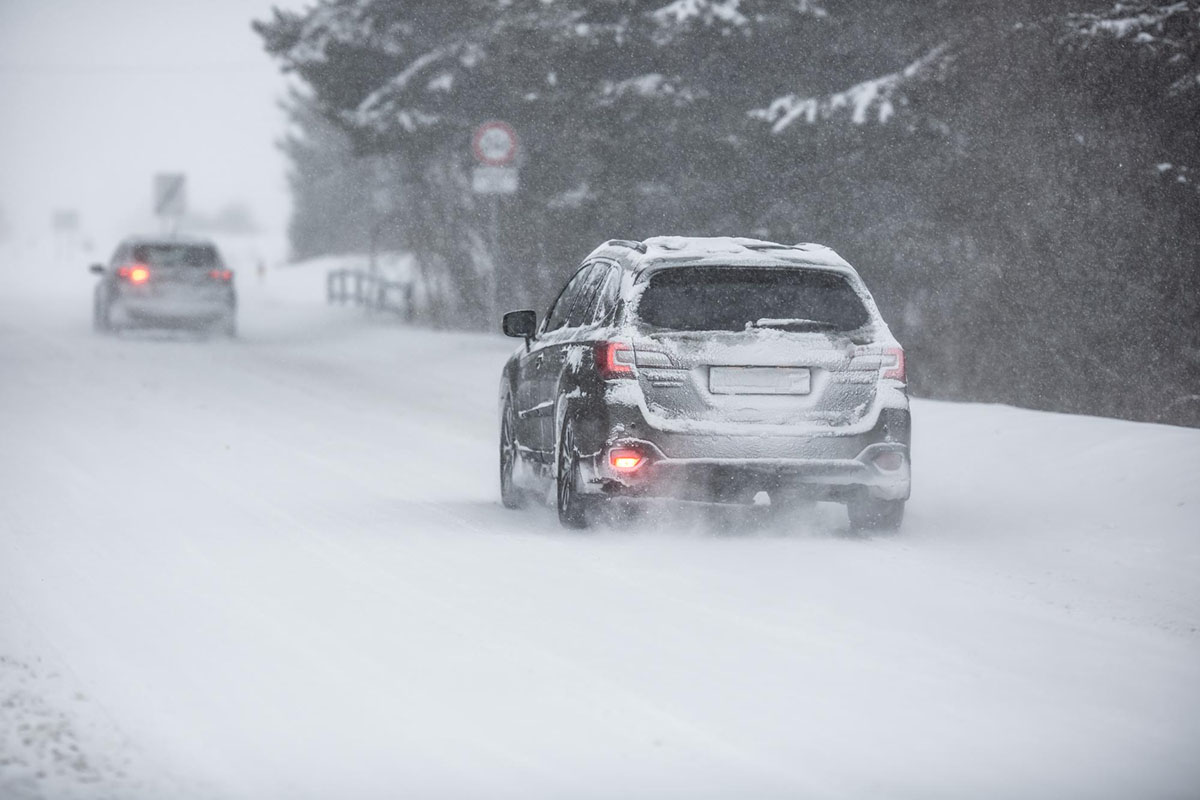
(170, 199)
(494, 144)
(494, 180)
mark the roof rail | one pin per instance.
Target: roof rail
(632, 245)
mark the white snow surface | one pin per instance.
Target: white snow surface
(1119, 23)
(278, 567)
(727, 12)
(707, 11)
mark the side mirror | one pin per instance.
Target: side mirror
(96, 269)
(522, 324)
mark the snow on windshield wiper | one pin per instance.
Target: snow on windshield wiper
(794, 324)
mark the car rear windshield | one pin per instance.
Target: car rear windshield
(168, 254)
(735, 298)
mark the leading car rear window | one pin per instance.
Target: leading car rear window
(734, 298)
(176, 255)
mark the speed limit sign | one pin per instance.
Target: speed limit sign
(494, 144)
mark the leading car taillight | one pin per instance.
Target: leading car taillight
(614, 360)
(221, 274)
(134, 273)
(893, 363)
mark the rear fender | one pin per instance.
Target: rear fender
(579, 403)
(507, 391)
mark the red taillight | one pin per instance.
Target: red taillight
(625, 459)
(134, 273)
(221, 274)
(893, 362)
(614, 360)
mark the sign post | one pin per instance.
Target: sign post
(170, 198)
(495, 147)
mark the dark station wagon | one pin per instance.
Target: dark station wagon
(707, 369)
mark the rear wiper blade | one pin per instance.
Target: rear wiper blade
(794, 324)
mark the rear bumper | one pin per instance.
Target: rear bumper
(161, 311)
(734, 468)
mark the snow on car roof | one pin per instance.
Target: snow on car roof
(668, 251)
(659, 252)
(150, 239)
(702, 247)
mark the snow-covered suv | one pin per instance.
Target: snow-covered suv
(708, 369)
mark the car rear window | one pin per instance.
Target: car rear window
(176, 255)
(734, 298)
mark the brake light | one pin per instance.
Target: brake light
(625, 460)
(134, 273)
(893, 363)
(614, 360)
(221, 274)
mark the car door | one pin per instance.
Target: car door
(573, 355)
(535, 417)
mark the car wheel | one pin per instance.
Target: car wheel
(875, 515)
(510, 495)
(229, 327)
(572, 506)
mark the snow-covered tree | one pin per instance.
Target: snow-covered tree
(997, 169)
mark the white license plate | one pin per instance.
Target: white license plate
(759, 380)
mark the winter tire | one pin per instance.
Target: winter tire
(510, 495)
(572, 506)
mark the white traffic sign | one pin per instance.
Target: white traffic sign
(494, 144)
(170, 199)
(494, 180)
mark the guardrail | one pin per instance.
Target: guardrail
(370, 291)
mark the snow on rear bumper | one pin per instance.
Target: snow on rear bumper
(168, 311)
(835, 468)
(740, 478)
(684, 458)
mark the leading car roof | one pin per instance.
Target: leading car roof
(166, 240)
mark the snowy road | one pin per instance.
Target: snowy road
(278, 567)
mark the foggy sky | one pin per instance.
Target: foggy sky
(95, 97)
